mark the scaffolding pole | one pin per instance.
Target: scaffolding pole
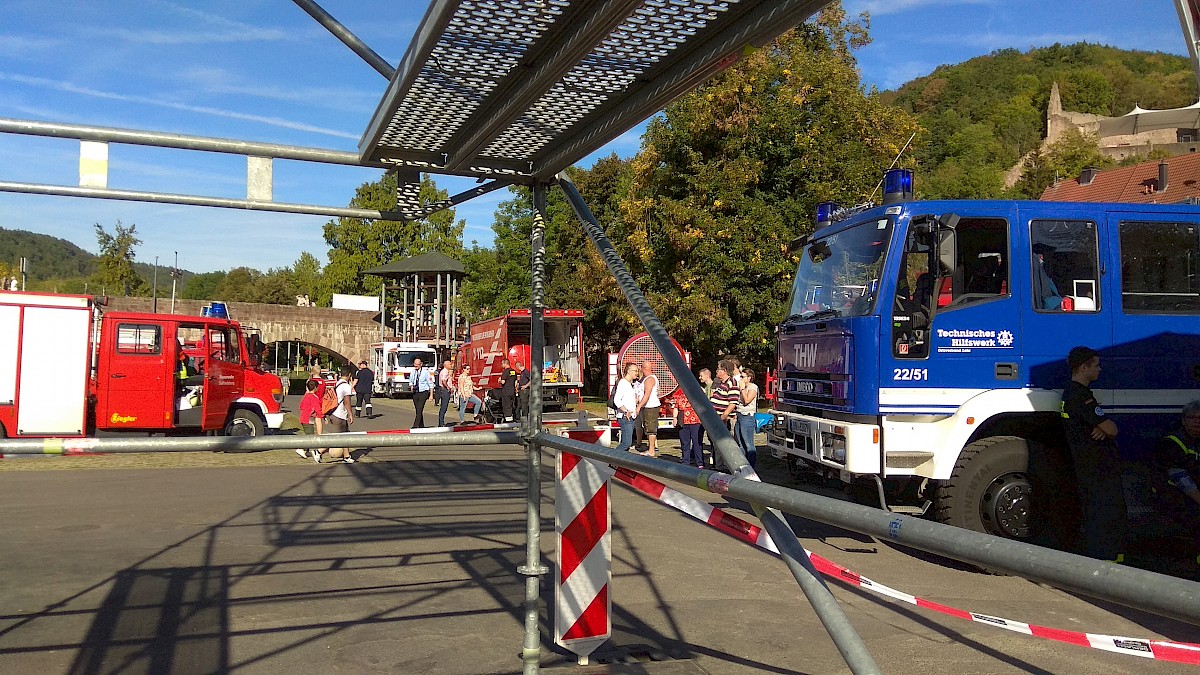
(844, 636)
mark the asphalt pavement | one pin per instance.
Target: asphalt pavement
(405, 562)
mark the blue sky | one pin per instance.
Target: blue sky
(263, 70)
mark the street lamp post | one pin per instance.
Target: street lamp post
(174, 276)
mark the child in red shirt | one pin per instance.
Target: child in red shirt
(310, 418)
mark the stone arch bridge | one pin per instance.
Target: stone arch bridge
(348, 333)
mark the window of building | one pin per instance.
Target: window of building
(1160, 267)
(1065, 266)
(134, 338)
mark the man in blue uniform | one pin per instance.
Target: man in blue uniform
(1091, 437)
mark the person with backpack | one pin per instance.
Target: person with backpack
(311, 419)
(342, 415)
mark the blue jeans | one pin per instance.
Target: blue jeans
(690, 451)
(462, 407)
(444, 401)
(626, 424)
(744, 433)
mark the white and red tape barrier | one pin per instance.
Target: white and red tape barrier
(1162, 650)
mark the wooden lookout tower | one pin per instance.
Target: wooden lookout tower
(420, 297)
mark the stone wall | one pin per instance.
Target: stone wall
(348, 333)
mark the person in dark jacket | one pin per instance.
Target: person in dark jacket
(1091, 438)
(364, 383)
(508, 390)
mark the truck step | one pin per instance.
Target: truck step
(906, 459)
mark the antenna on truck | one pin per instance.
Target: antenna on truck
(892, 166)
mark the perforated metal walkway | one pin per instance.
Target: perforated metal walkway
(525, 88)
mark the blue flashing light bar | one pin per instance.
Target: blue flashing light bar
(897, 186)
(825, 211)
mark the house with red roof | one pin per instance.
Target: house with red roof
(1169, 181)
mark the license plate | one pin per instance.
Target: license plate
(798, 427)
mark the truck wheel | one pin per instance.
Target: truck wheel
(989, 490)
(243, 422)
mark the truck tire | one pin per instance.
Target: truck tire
(989, 490)
(244, 422)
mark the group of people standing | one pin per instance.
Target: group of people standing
(444, 386)
(732, 393)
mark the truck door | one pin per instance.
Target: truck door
(223, 374)
(972, 343)
(1067, 303)
(137, 377)
(1154, 363)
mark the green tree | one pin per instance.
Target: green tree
(277, 287)
(731, 173)
(306, 274)
(239, 285)
(358, 244)
(1063, 159)
(114, 271)
(201, 286)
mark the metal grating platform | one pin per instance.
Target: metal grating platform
(525, 88)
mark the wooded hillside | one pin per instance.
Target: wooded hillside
(980, 116)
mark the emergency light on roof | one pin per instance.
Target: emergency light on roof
(897, 186)
(825, 211)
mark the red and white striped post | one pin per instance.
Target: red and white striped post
(583, 607)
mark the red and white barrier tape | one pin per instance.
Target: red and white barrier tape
(467, 427)
(1161, 650)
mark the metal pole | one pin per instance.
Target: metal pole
(154, 291)
(174, 277)
(383, 309)
(530, 427)
(838, 626)
(437, 310)
(193, 200)
(182, 142)
(66, 446)
(349, 39)
(1166, 596)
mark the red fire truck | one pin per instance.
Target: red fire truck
(70, 369)
(507, 337)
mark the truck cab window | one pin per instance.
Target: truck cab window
(220, 347)
(1065, 266)
(980, 254)
(1160, 267)
(912, 303)
(135, 338)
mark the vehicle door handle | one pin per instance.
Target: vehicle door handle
(117, 376)
(1006, 371)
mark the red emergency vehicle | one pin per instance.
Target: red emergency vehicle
(69, 369)
(507, 336)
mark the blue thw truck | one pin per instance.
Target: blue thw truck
(924, 349)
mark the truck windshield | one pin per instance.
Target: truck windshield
(839, 274)
(403, 359)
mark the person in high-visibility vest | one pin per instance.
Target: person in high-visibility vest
(1177, 459)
